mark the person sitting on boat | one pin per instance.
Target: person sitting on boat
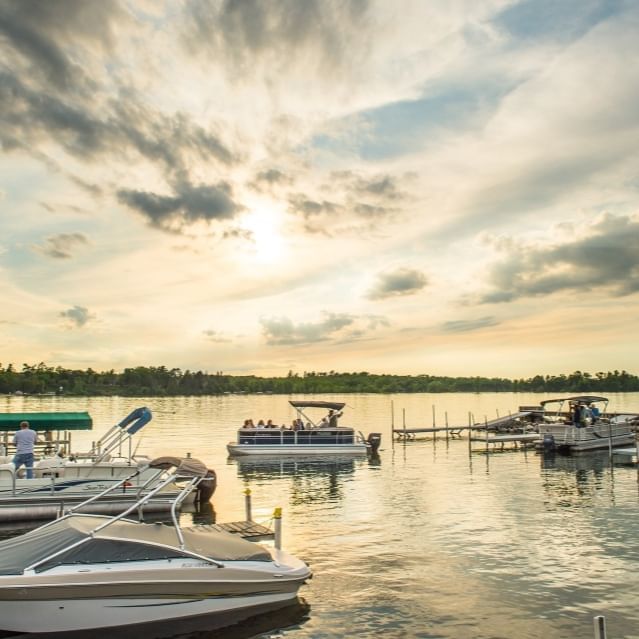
(595, 414)
(260, 424)
(585, 417)
(270, 424)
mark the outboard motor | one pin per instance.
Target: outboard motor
(548, 443)
(207, 487)
(374, 439)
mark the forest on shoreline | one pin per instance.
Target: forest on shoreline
(157, 381)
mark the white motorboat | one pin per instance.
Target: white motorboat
(60, 480)
(85, 572)
(583, 423)
(305, 436)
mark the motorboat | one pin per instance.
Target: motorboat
(85, 572)
(61, 479)
(305, 436)
(583, 423)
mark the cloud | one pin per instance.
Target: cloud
(300, 204)
(205, 202)
(78, 316)
(255, 37)
(61, 246)
(283, 332)
(402, 281)
(215, 336)
(270, 178)
(466, 326)
(605, 256)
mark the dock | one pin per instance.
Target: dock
(506, 422)
(249, 530)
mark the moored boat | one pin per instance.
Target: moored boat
(61, 479)
(583, 423)
(306, 436)
(85, 572)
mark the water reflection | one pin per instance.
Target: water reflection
(575, 480)
(312, 480)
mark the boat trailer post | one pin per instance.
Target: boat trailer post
(600, 627)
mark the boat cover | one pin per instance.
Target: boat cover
(317, 404)
(120, 541)
(184, 466)
(47, 421)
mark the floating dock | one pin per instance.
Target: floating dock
(250, 530)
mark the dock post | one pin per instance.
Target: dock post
(277, 526)
(434, 429)
(470, 430)
(392, 424)
(404, 422)
(600, 627)
(446, 422)
(247, 504)
(610, 443)
(486, 427)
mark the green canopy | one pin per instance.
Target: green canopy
(46, 421)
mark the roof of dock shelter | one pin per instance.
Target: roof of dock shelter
(582, 399)
(47, 421)
(317, 404)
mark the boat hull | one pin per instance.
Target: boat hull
(300, 449)
(569, 438)
(91, 598)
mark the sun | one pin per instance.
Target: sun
(264, 223)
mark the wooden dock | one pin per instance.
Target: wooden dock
(250, 530)
(497, 424)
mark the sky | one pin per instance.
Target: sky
(261, 186)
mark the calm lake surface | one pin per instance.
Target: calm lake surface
(425, 541)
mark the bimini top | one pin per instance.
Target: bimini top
(47, 421)
(580, 399)
(319, 404)
(123, 540)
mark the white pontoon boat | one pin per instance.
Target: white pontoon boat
(85, 572)
(308, 437)
(583, 423)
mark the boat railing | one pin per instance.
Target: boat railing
(266, 436)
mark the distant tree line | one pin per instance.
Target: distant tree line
(162, 381)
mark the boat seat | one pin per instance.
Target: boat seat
(5, 459)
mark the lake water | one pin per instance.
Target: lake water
(427, 541)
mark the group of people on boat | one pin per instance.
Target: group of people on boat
(329, 421)
(584, 414)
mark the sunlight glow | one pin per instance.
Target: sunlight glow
(264, 224)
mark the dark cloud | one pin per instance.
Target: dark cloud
(61, 246)
(282, 331)
(318, 34)
(606, 257)
(36, 29)
(299, 204)
(466, 326)
(189, 204)
(77, 315)
(402, 281)
(269, 179)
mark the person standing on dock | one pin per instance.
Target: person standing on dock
(24, 440)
